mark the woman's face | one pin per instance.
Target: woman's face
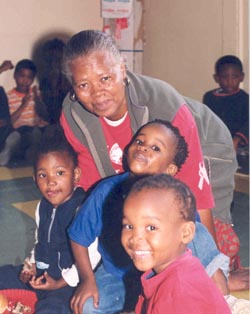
(98, 82)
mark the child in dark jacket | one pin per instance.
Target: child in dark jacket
(228, 101)
(231, 105)
(50, 271)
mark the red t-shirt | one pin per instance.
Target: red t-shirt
(117, 137)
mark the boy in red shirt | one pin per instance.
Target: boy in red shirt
(158, 223)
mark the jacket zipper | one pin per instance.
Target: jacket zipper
(51, 223)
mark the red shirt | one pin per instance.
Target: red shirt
(182, 288)
(193, 172)
(117, 138)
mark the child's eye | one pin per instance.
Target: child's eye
(151, 228)
(155, 148)
(127, 226)
(41, 175)
(60, 173)
(138, 142)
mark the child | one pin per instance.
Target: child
(50, 270)
(9, 138)
(228, 101)
(231, 104)
(23, 103)
(158, 223)
(157, 147)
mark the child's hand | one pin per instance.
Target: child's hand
(28, 271)
(6, 65)
(27, 98)
(25, 276)
(84, 291)
(44, 282)
(36, 92)
(236, 142)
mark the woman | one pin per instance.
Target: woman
(109, 103)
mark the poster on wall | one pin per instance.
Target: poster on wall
(112, 9)
(124, 21)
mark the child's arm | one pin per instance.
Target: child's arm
(25, 102)
(87, 286)
(6, 65)
(29, 265)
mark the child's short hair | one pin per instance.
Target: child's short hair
(181, 147)
(25, 64)
(228, 59)
(54, 140)
(183, 195)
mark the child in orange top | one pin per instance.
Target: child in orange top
(23, 103)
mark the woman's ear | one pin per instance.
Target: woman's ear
(172, 170)
(188, 231)
(123, 70)
(77, 174)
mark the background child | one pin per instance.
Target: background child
(157, 147)
(9, 138)
(228, 101)
(231, 104)
(158, 223)
(50, 270)
(23, 102)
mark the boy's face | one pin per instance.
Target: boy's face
(229, 78)
(153, 231)
(152, 151)
(24, 78)
(56, 177)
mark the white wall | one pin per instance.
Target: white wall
(184, 38)
(24, 23)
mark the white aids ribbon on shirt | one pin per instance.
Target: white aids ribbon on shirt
(115, 154)
(203, 175)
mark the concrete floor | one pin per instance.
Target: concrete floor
(240, 214)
